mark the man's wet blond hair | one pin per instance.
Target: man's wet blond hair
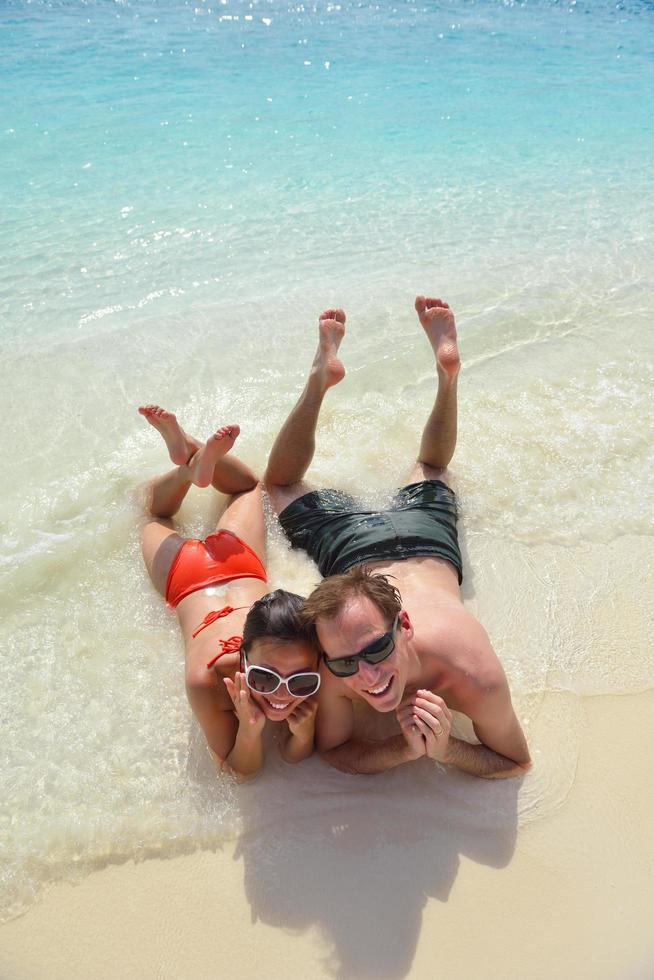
(333, 593)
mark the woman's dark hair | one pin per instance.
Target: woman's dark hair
(275, 617)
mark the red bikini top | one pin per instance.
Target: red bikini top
(232, 644)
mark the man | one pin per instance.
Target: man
(409, 648)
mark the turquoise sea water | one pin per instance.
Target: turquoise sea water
(184, 187)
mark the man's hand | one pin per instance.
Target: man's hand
(413, 736)
(251, 718)
(302, 720)
(428, 715)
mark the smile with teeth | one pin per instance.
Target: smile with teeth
(378, 691)
(276, 706)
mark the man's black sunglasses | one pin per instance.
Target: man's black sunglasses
(374, 653)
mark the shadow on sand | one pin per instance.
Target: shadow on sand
(359, 856)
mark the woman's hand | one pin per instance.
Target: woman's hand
(301, 724)
(302, 720)
(251, 718)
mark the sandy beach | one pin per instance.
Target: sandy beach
(570, 896)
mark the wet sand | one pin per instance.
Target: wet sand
(568, 893)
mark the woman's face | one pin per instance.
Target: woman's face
(285, 659)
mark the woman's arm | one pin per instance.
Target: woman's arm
(246, 756)
(301, 727)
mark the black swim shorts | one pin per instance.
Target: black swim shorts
(331, 527)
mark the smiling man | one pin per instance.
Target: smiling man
(409, 647)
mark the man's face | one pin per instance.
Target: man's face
(358, 624)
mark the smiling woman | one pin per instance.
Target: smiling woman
(230, 697)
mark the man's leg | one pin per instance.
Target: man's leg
(439, 435)
(293, 449)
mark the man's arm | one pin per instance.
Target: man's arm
(433, 720)
(365, 756)
(498, 729)
(476, 685)
(481, 761)
(339, 747)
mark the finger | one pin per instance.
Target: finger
(247, 707)
(426, 732)
(436, 700)
(435, 710)
(407, 712)
(306, 715)
(408, 724)
(229, 684)
(424, 729)
(430, 696)
(434, 723)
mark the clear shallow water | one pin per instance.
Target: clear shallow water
(181, 195)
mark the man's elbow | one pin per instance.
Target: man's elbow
(338, 760)
(512, 771)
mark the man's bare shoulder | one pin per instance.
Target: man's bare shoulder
(446, 624)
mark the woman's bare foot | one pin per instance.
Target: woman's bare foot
(437, 321)
(202, 465)
(327, 368)
(180, 446)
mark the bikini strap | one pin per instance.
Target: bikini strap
(214, 615)
(232, 645)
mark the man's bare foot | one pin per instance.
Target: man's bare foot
(437, 321)
(202, 465)
(180, 446)
(327, 367)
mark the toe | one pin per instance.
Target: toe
(333, 314)
(420, 304)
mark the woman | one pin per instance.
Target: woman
(217, 587)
